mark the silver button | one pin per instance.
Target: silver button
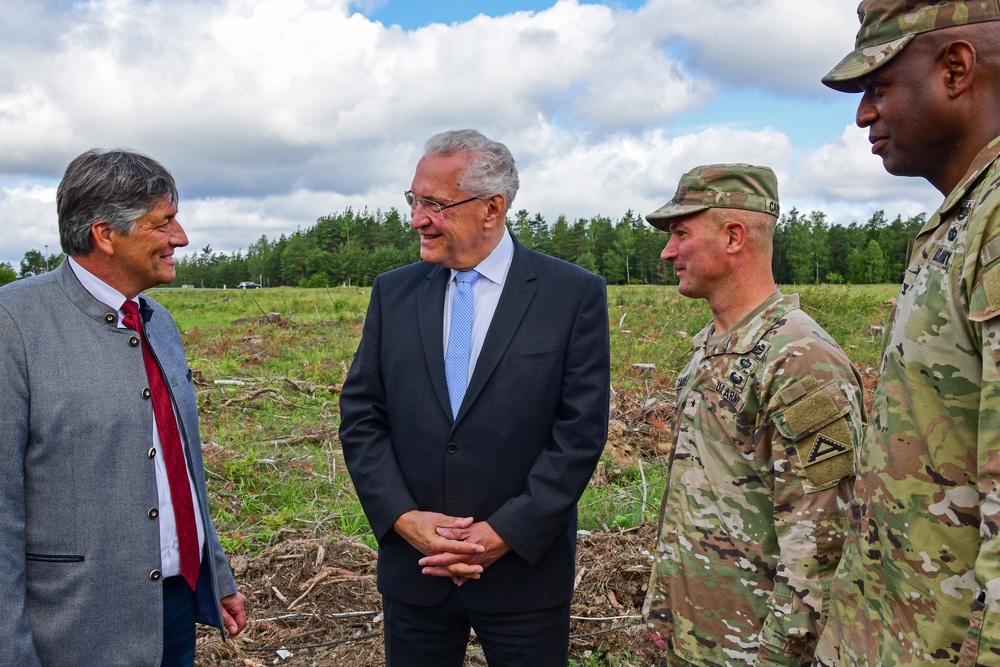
(155, 575)
(152, 452)
(146, 393)
(133, 341)
(110, 318)
(153, 513)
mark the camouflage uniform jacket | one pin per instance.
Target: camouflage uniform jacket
(920, 579)
(754, 512)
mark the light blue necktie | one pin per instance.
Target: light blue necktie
(456, 358)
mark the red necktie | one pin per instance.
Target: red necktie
(173, 454)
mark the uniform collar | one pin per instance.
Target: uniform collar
(743, 337)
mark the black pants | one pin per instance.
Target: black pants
(437, 636)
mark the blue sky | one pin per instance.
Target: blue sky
(273, 113)
(415, 14)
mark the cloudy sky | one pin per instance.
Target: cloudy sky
(272, 113)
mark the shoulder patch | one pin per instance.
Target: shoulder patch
(825, 448)
(826, 456)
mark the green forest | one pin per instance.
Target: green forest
(353, 247)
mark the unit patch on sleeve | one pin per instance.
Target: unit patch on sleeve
(827, 456)
(825, 448)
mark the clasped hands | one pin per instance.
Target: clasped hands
(455, 547)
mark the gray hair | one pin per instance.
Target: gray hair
(491, 168)
(116, 186)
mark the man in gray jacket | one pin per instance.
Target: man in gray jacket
(108, 555)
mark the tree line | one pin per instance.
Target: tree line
(352, 247)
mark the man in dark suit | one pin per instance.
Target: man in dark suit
(471, 423)
(107, 551)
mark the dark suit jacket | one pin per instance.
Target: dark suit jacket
(523, 447)
(77, 546)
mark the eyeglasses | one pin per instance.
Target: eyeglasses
(412, 199)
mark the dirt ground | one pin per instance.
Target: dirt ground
(313, 602)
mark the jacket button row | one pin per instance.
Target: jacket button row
(146, 393)
(452, 448)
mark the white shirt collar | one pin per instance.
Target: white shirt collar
(98, 289)
(495, 265)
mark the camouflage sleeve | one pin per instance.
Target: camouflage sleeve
(814, 419)
(982, 641)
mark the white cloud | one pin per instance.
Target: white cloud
(272, 113)
(28, 216)
(581, 178)
(845, 170)
(785, 46)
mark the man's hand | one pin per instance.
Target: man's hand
(234, 617)
(420, 529)
(459, 565)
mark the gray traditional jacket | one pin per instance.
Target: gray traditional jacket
(79, 546)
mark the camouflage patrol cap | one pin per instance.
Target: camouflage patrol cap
(889, 25)
(742, 186)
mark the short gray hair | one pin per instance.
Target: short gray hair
(116, 186)
(491, 170)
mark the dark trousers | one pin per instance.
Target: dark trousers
(437, 636)
(179, 609)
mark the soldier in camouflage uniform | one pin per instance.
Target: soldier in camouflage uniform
(768, 413)
(919, 583)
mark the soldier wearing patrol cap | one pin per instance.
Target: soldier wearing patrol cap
(768, 413)
(919, 583)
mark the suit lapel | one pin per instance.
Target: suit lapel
(518, 291)
(430, 316)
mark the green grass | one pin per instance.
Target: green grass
(597, 659)
(269, 407)
(268, 397)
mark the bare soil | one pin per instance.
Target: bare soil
(313, 602)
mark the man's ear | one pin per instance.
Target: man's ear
(958, 65)
(102, 237)
(495, 210)
(736, 236)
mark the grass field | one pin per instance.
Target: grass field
(269, 364)
(272, 361)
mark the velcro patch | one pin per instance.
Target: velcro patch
(810, 412)
(991, 286)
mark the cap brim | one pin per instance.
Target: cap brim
(860, 62)
(661, 217)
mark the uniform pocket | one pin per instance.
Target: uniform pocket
(54, 558)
